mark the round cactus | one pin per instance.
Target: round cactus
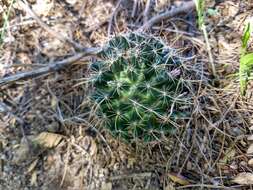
(135, 87)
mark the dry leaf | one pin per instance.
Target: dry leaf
(250, 149)
(34, 179)
(178, 179)
(47, 140)
(244, 178)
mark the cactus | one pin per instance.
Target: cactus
(135, 87)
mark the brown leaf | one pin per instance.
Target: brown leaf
(47, 140)
(244, 178)
(178, 179)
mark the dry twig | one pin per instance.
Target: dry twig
(147, 10)
(184, 8)
(134, 8)
(113, 17)
(49, 68)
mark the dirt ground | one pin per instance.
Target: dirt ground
(46, 141)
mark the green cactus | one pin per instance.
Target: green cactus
(136, 85)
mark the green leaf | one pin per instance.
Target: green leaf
(247, 59)
(6, 16)
(200, 6)
(246, 63)
(246, 36)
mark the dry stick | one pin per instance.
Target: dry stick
(112, 17)
(49, 68)
(134, 8)
(59, 36)
(84, 3)
(135, 176)
(208, 47)
(184, 8)
(147, 10)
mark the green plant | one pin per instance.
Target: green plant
(6, 16)
(136, 87)
(246, 60)
(200, 8)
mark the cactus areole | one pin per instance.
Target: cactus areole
(134, 89)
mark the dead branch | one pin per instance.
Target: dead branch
(134, 8)
(48, 69)
(114, 14)
(147, 11)
(186, 7)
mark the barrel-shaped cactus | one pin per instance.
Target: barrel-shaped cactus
(136, 87)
